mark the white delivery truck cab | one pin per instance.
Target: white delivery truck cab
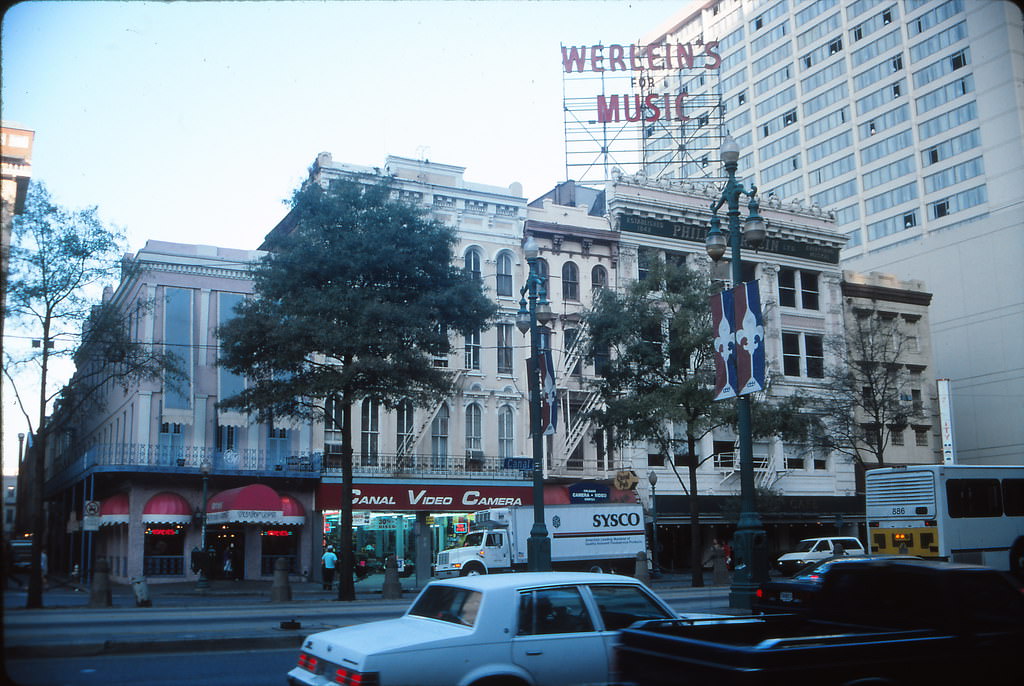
(590, 537)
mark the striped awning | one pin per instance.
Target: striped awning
(167, 508)
(114, 510)
(253, 504)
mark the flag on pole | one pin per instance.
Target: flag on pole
(722, 329)
(548, 395)
(749, 338)
(738, 328)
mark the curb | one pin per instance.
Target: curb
(172, 645)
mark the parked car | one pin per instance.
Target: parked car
(814, 549)
(531, 628)
(797, 593)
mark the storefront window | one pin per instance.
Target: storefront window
(163, 550)
(277, 543)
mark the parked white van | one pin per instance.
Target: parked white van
(814, 549)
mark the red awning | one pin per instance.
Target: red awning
(114, 510)
(253, 504)
(292, 511)
(167, 508)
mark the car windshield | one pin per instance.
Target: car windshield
(804, 546)
(448, 604)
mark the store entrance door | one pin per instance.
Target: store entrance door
(228, 546)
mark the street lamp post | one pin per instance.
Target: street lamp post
(203, 583)
(538, 547)
(652, 476)
(749, 540)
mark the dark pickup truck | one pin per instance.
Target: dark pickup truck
(892, 623)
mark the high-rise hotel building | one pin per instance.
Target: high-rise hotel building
(904, 119)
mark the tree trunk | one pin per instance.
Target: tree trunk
(346, 584)
(696, 557)
(37, 525)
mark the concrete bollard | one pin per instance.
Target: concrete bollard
(99, 591)
(281, 590)
(642, 574)
(392, 586)
(141, 590)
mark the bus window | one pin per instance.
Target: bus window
(1013, 497)
(973, 498)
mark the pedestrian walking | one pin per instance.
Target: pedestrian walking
(329, 561)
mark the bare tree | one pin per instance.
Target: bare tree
(865, 399)
(59, 261)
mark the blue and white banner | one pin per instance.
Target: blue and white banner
(738, 327)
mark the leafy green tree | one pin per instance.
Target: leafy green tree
(355, 301)
(59, 261)
(654, 341)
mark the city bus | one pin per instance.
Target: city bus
(961, 513)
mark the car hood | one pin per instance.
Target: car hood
(357, 642)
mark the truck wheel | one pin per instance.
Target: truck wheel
(472, 570)
(1017, 559)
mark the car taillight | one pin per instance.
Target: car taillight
(759, 593)
(307, 662)
(350, 677)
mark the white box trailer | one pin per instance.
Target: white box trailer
(589, 537)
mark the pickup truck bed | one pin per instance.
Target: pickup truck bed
(977, 639)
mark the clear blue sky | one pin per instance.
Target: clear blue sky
(192, 121)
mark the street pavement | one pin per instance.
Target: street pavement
(230, 615)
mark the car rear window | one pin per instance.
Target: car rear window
(448, 604)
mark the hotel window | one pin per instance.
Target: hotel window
(277, 444)
(890, 172)
(960, 201)
(504, 348)
(948, 120)
(439, 440)
(504, 285)
(934, 17)
(814, 10)
(891, 198)
(542, 272)
(939, 42)
(473, 263)
(921, 438)
(225, 438)
(404, 415)
(953, 175)
(178, 342)
(953, 146)
(170, 440)
(570, 282)
(473, 350)
(803, 355)
(796, 281)
(599, 277)
(506, 433)
(897, 435)
(369, 437)
(474, 428)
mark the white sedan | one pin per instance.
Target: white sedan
(529, 629)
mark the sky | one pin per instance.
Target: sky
(194, 121)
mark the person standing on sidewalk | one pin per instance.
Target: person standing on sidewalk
(330, 561)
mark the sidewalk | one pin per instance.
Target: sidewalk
(230, 615)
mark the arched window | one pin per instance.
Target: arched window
(570, 281)
(599, 277)
(473, 263)
(369, 442)
(439, 440)
(542, 272)
(474, 428)
(504, 286)
(506, 433)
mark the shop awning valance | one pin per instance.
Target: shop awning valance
(114, 510)
(253, 504)
(167, 508)
(292, 511)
